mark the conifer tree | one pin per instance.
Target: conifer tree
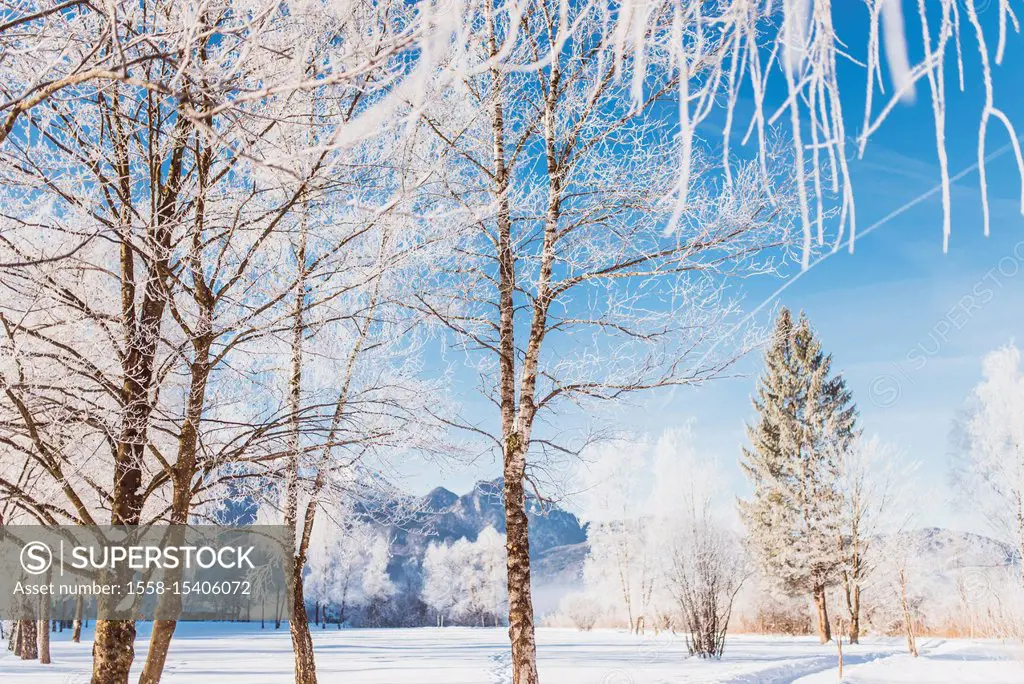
(806, 419)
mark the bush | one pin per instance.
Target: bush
(581, 610)
(779, 615)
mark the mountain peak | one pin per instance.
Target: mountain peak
(439, 499)
(445, 516)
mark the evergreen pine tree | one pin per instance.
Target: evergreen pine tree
(806, 419)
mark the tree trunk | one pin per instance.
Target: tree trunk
(44, 642)
(29, 640)
(855, 616)
(76, 636)
(302, 640)
(114, 642)
(169, 604)
(824, 630)
(159, 645)
(44, 626)
(520, 600)
(113, 646)
(908, 622)
(839, 646)
(298, 620)
(851, 589)
(277, 609)
(113, 651)
(169, 607)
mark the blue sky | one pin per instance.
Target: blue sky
(897, 314)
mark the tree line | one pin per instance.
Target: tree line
(831, 519)
(235, 241)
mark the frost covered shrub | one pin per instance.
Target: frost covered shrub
(768, 613)
(581, 610)
(783, 620)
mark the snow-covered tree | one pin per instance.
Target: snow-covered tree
(699, 552)
(581, 609)
(562, 174)
(153, 216)
(376, 584)
(869, 474)
(486, 574)
(660, 552)
(704, 574)
(441, 573)
(805, 419)
(465, 580)
(991, 470)
(347, 564)
(620, 570)
(903, 569)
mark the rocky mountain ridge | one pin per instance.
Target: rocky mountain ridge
(558, 540)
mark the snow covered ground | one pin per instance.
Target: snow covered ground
(223, 653)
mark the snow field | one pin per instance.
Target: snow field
(227, 653)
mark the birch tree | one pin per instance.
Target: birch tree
(869, 470)
(353, 393)
(144, 219)
(572, 283)
(904, 570)
(622, 568)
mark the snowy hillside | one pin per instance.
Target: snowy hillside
(963, 549)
